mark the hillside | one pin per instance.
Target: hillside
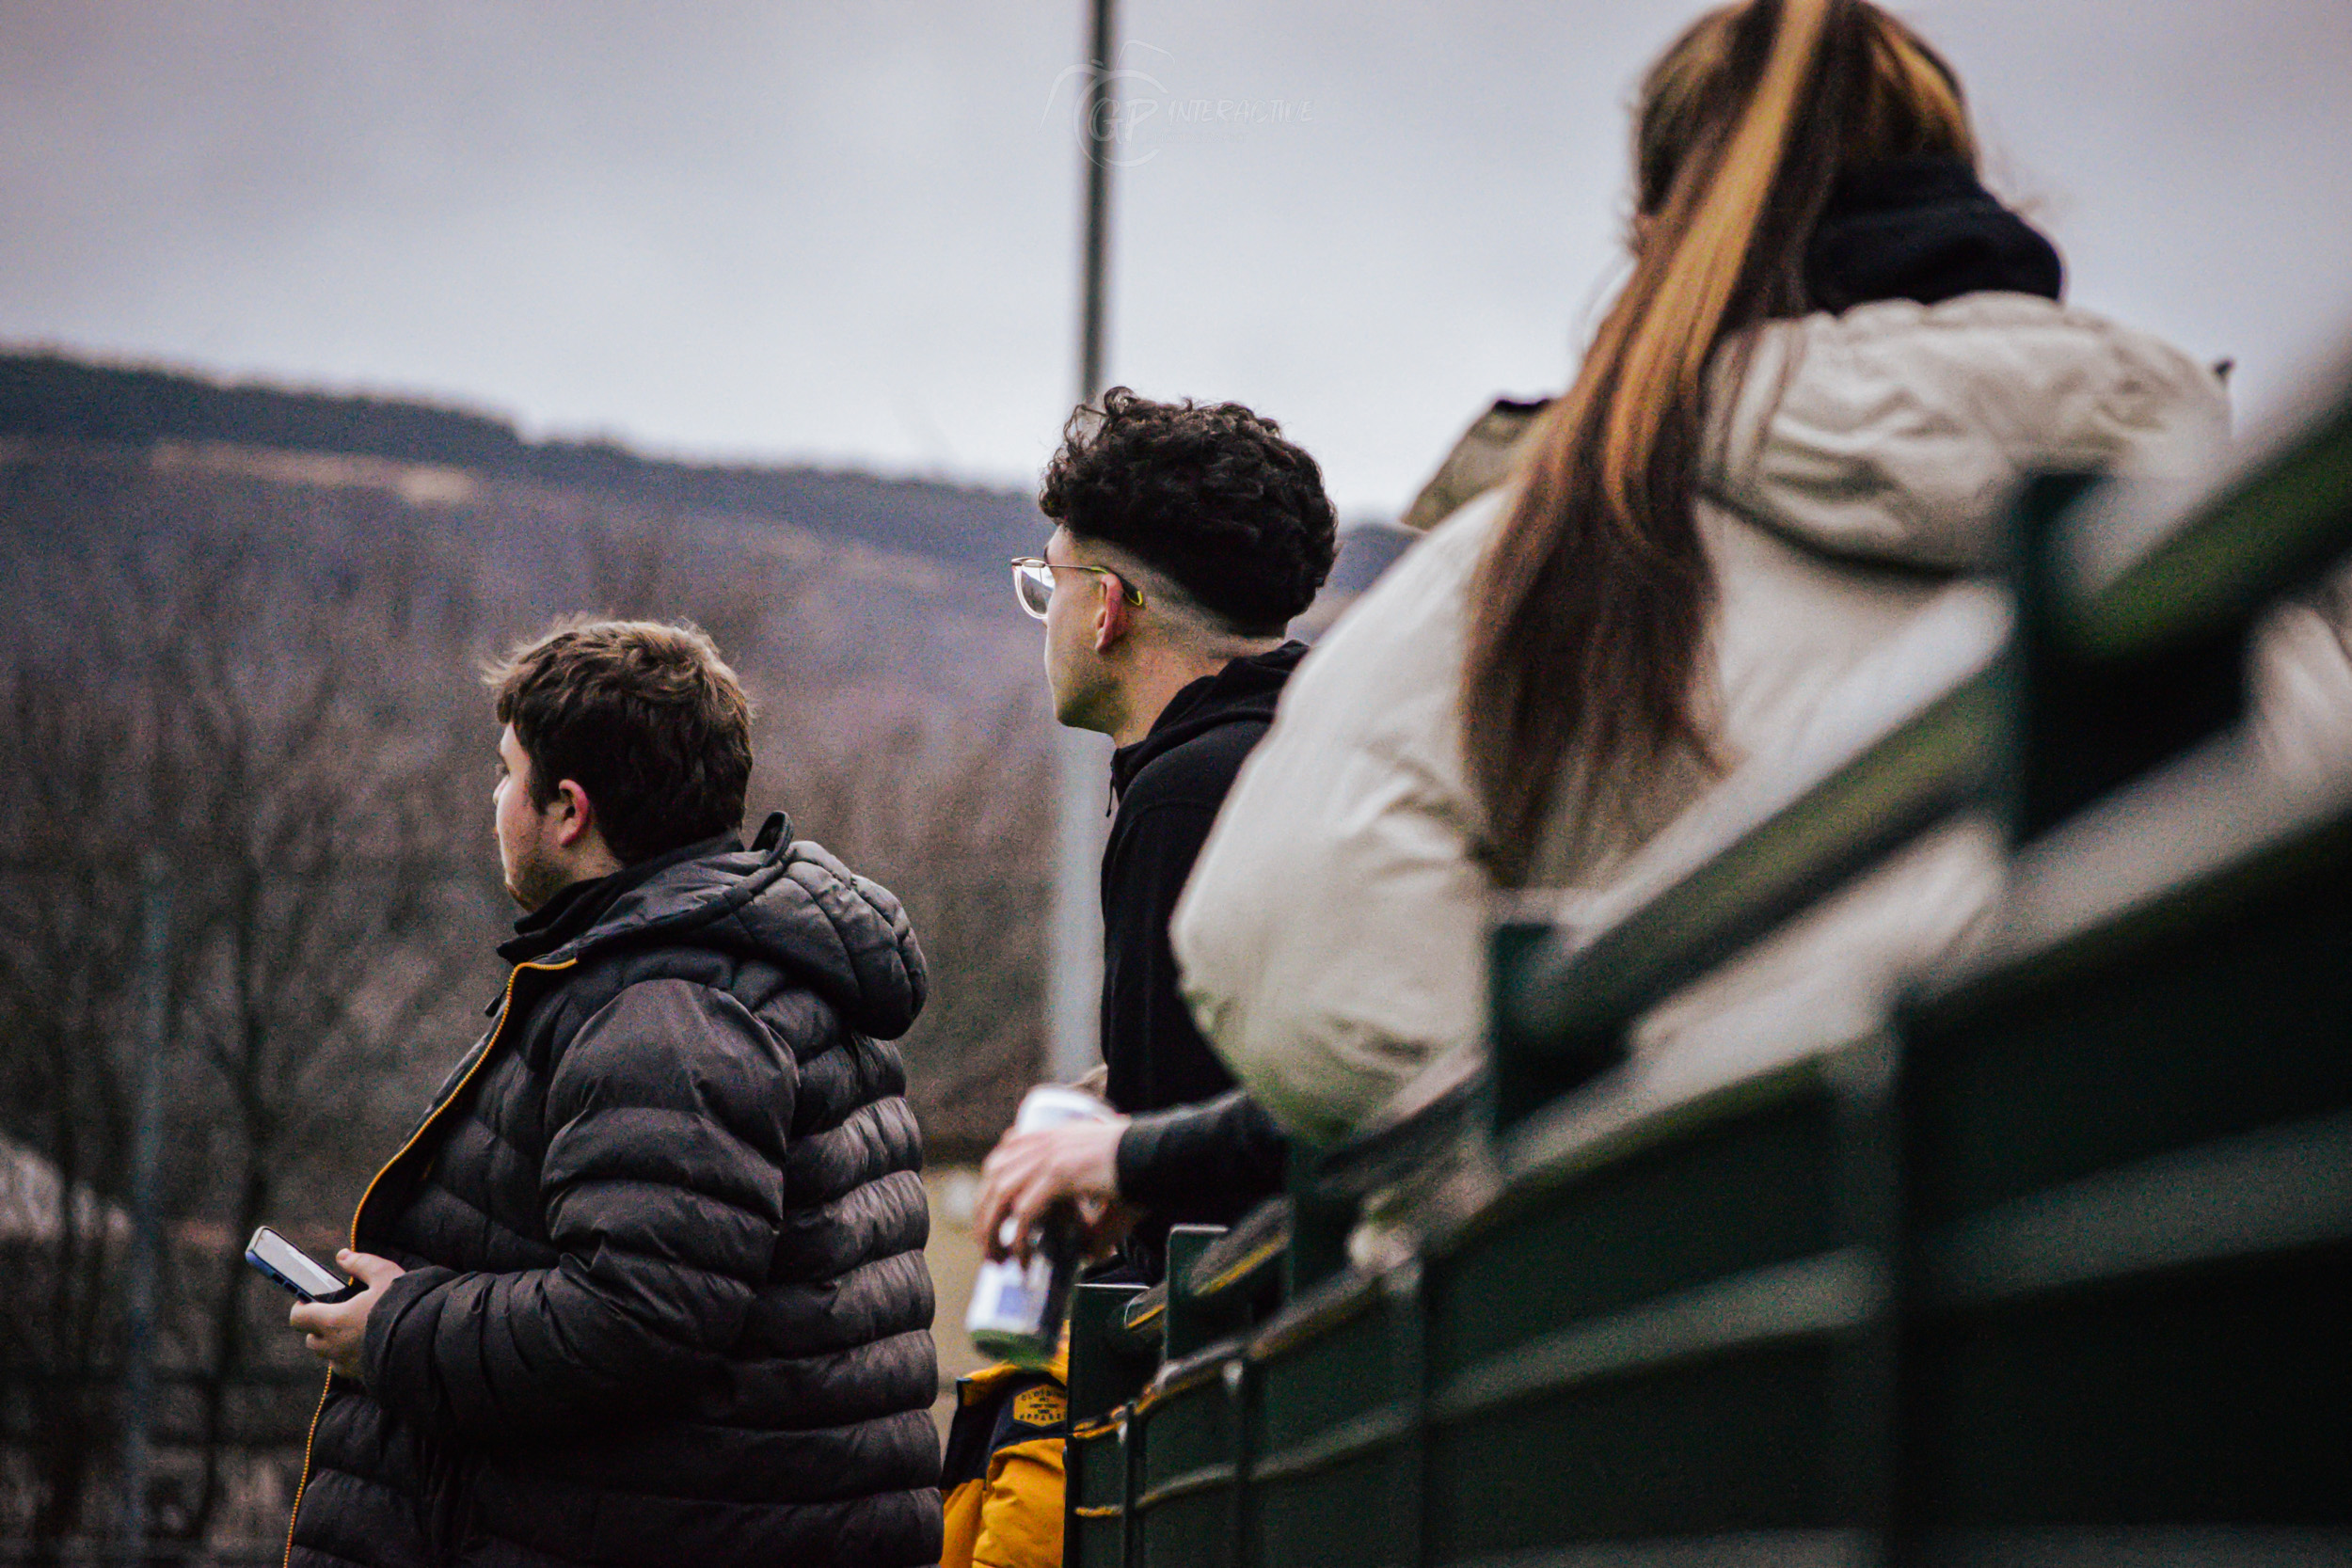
(898, 582)
(49, 397)
(901, 716)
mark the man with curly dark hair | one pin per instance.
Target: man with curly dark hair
(1190, 538)
(1190, 535)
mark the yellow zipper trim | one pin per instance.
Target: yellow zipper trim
(506, 1003)
(308, 1439)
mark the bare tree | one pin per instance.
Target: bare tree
(640, 567)
(319, 859)
(64, 963)
(955, 820)
(276, 687)
(254, 718)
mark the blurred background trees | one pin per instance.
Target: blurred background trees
(263, 667)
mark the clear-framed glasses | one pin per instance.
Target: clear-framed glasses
(1033, 584)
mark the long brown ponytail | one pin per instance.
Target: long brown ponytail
(1591, 608)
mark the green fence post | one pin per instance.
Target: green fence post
(1319, 1226)
(1101, 1378)
(1188, 1327)
(1530, 1072)
(2085, 723)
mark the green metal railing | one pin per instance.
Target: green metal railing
(2055, 1265)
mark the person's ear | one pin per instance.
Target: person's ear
(1114, 618)
(575, 818)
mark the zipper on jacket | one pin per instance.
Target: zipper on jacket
(309, 1439)
(498, 1027)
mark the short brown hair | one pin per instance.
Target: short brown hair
(645, 717)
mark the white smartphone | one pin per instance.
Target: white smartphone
(297, 1270)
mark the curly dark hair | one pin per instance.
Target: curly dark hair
(1210, 495)
(646, 718)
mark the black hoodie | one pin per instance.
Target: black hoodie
(1169, 786)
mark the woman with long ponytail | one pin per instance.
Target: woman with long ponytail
(1795, 426)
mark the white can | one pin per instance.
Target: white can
(1017, 1308)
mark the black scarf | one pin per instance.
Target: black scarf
(1922, 229)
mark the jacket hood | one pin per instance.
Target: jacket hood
(1923, 228)
(1246, 690)
(793, 905)
(1896, 431)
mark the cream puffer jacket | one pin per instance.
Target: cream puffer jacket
(1331, 936)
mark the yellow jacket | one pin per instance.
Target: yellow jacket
(1003, 1478)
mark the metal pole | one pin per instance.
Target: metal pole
(1074, 977)
(138, 1313)
(1101, 144)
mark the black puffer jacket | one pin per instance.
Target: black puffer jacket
(666, 1300)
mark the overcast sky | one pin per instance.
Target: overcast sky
(847, 233)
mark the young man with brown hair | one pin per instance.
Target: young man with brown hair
(647, 1286)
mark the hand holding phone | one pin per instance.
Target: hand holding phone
(295, 1270)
